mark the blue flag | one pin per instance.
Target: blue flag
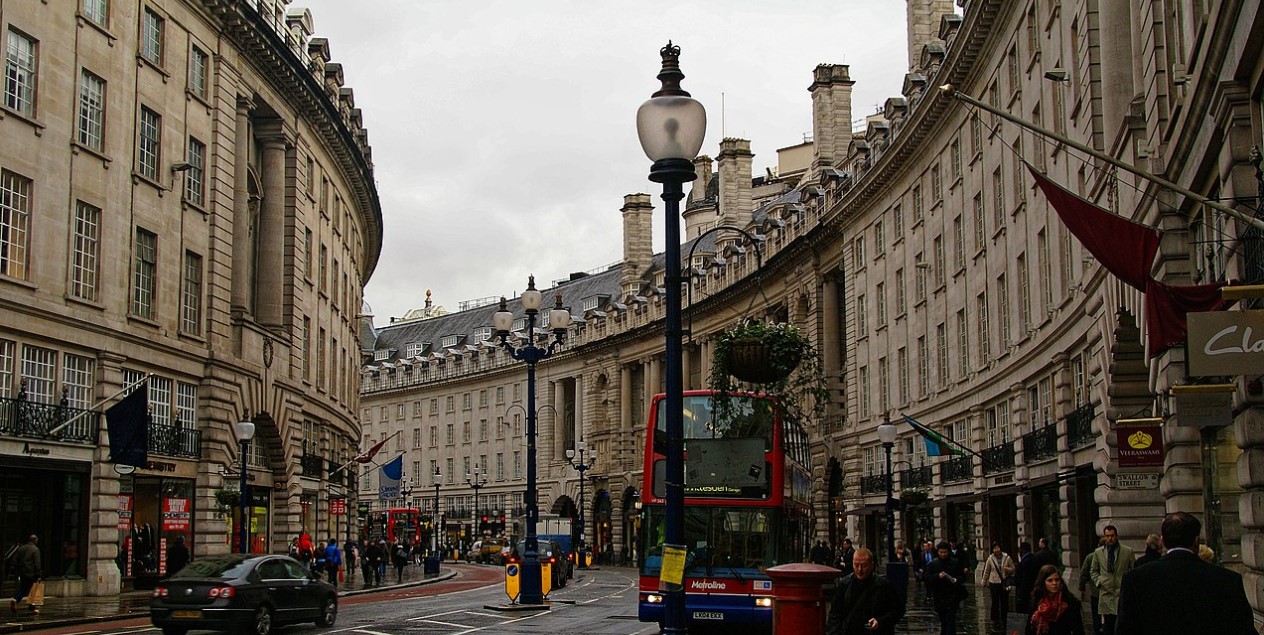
(936, 444)
(389, 478)
(128, 424)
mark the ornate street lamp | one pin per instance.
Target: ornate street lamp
(671, 126)
(532, 590)
(435, 521)
(477, 481)
(581, 464)
(244, 431)
(405, 492)
(897, 572)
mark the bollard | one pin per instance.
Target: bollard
(800, 598)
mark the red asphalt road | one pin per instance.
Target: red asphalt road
(467, 577)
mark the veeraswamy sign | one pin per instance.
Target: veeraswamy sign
(1225, 343)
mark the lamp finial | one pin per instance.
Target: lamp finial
(670, 75)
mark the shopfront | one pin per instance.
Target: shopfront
(48, 498)
(155, 508)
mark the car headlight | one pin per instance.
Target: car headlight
(763, 602)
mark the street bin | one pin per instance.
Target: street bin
(801, 597)
(430, 566)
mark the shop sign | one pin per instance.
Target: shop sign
(1137, 481)
(1140, 442)
(1225, 343)
(1203, 407)
(337, 506)
(175, 514)
(125, 512)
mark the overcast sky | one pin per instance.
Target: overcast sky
(504, 135)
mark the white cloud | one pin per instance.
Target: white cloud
(503, 131)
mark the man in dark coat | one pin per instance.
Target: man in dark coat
(864, 602)
(820, 553)
(846, 558)
(945, 580)
(177, 556)
(1153, 551)
(1024, 578)
(1181, 594)
(1046, 556)
(25, 561)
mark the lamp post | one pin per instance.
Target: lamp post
(434, 517)
(897, 571)
(405, 492)
(532, 590)
(671, 126)
(476, 481)
(577, 460)
(244, 431)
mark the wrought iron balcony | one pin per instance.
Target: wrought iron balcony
(873, 484)
(916, 477)
(1040, 444)
(312, 465)
(1080, 427)
(958, 469)
(174, 441)
(998, 458)
(24, 418)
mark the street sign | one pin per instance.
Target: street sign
(1137, 481)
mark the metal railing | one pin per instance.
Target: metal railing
(174, 441)
(24, 418)
(311, 465)
(916, 477)
(873, 484)
(1080, 426)
(998, 458)
(1041, 443)
(958, 469)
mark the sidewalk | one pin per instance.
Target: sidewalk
(64, 611)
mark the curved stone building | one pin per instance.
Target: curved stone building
(188, 196)
(938, 283)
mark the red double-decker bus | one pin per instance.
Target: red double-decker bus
(747, 506)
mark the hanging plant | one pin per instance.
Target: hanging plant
(914, 496)
(773, 358)
(227, 498)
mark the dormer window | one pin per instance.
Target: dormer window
(519, 324)
(449, 341)
(593, 302)
(381, 355)
(482, 335)
(414, 349)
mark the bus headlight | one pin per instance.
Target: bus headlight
(763, 602)
(654, 598)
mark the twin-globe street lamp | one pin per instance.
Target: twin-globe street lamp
(477, 480)
(897, 570)
(671, 126)
(581, 464)
(532, 590)
(244, 431)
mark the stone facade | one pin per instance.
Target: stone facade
(939, 284)
(189, 196)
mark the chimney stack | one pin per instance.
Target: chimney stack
(638, 248)
(735, 182)
(923, 26)
(701, 209)
(831, 114)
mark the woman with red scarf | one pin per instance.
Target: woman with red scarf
(1054, 610)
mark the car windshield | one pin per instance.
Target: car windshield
(225, 567)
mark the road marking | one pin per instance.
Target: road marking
(368, 632)
(83, 632)
(349, 628)
(452, 624)
(484, 614)
(434, 615)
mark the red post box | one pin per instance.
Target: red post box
(800, 600)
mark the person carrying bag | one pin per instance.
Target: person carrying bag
(997, 575)
(25, 561)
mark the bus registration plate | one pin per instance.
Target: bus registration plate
(707, 615)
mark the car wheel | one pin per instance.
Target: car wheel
(328, 613)
(174, 630)
(261, 624)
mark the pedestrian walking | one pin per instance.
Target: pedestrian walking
(333, 561)
(1024, 578)
(996, 575)
(1113, 561)
(368, 562)
(945, 581)
(399, 557)
(177, 556)
(25, 561)
(1153, 550)
(820, 553)
(1055, 611)
(350, 553)
(318, 562)
(305, 549)
(1045, 555)
(1089, 590)
(864, 602)
(1181, 594)
(846, 557)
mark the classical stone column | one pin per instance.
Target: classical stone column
(627, 458)
(270, 279)
(243, 236)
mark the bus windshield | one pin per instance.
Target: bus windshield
(723, 542)
(725, 458)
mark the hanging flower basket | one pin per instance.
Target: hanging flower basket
(773, 358)
(227, 498)
(758, 362)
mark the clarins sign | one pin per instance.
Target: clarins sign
(1226, 343)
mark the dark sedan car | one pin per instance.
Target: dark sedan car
(242, 593)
